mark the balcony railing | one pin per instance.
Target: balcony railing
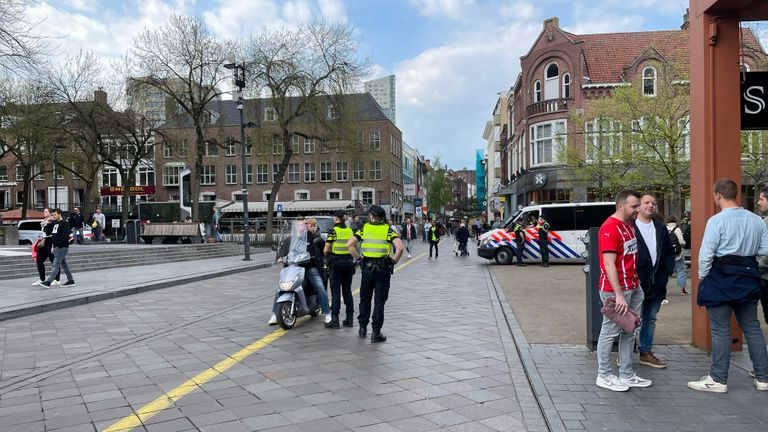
(549, 106)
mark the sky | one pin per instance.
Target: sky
(451, 57)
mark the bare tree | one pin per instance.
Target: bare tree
(184, 60)
(303, 73)
(20, 46)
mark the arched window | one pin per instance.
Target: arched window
(552, 81)
(537, 91)
(649, 81)
(566, 85)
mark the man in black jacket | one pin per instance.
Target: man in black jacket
(60, 242)
(76, 223)
(655, 263)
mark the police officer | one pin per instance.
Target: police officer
(543, 227)
(342, 268)
(377, 240)
(520, 242)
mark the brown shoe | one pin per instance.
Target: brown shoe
(649, 359)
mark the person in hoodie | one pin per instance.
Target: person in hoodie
(655, 263)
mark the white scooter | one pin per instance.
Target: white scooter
(293, 301)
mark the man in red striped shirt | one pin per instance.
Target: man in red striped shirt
(618, 278)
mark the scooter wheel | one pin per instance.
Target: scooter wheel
(285, 319)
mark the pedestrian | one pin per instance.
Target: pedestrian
(519, 232)
(680, 270)
(427, 228)
(542, 226)
(377, 242)
(408, 233)
(434, 238)
(342, 268)
(762, 261)
(618, 279)
(730, 284)
(76, 222)
(462, 237)
(98, 222)
(215, 219)
(356, 223)
(60, 243)
(45, 248)
(655, 263)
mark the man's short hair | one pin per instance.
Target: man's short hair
(650, 194)
(764, 191)
(622, 196)
(727, 188)
(56, 210)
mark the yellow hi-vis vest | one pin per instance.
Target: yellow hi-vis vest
(375, 244)
(339, 246)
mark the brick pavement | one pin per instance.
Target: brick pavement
(450, 363)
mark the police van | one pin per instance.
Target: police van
(568, 224)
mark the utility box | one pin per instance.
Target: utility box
(132, 228)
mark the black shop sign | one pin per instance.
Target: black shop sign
(754, 101)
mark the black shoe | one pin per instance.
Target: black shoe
(363, 332)
(545, 265)
(45, 284)
(69, 283)
(377, 337)
(334, 324)
(348, 322)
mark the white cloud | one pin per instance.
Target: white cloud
(440, 8)
(81, 5)
(606, 24)
(333, 10)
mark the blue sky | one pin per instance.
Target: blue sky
(451, 57)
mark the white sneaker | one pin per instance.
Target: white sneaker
(761, 386)
(409, 256)
(328, 318)
(273, 320)
(636, 381)
(612, 382)
(55, 282)
(37, 283)
(665, 301)
(707, 384)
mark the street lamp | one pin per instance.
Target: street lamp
(239, 70)
(56, 148)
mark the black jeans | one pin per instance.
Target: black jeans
(373, 286)
(341, 285)
(42, 254)
(431, 245)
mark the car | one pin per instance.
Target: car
(30, 231)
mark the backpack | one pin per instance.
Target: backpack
(687, 236)
(676, 248)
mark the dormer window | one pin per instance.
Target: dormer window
(649, 81)
(537, 91)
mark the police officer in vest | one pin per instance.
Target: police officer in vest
(543, 227)
(377, 240)
(520, 242)
(342, 269)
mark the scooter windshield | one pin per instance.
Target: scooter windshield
(297, 249)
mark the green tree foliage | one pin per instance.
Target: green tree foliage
(438, 189)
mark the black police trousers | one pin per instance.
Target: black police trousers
(520, 249)
(373, 286)
(544, 248)
(341, 284)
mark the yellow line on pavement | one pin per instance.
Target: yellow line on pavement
(166, 400)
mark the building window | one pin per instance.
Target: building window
(109, 177)
(230, 151)
(19, 173)
(333, 194)
(184, 148)
(566, 85)
(375, 139)
(649, 81)
(358, 174)
(685, 135)
(145, 176)
(293, 173)
(309, 172)
(309, 145)
(262, 145)
(211, 149)
(171, 175)
(295, 144)
(270, 114)
(375, 173)
(536, 91)
(208, 175)
(248, 146)
(3, 173)
(167, 150)
(249, 174)
(342, 171)
(275, 171)
(551, 81)
(333, 112)
(277, 145)
(325, 171)
(366, 197)
(603, 139)
(261, 174)
(546, 140)
(325, 146)
(301, 195)
(231, 175)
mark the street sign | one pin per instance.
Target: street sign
(754, 96)
(115, 223)
(418, 211)
(279, 207)
(418, 202)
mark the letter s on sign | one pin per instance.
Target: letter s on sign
(753, 98)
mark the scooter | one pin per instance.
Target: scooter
(294, 301)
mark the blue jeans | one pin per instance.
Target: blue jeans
(648, 314)
(312, 275)
(720, 326)
(59, 262)
(611, 330)
(681, 272)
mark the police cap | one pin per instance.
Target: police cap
(339, 214)
(377, 211)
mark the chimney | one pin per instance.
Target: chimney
(554, 21)
(686, 21)
(100, 96)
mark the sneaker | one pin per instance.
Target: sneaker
(273, 320)
(761, 386)
(409, 256)
(45, 284)
(752, 373)
(69, 283)
(636, 381)
(650, 359)
(328, 318)
(37, 282)
(612, 382)
(55, 283)
(707, 384)
(665, 301)
(683, 292)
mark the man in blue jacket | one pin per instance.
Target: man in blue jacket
(730, 284)
(655, 263)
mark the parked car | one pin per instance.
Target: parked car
(30, 231)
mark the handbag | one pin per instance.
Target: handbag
(628, 322)
(94, 224)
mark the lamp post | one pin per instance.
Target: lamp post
(239, 70)
(56, 148)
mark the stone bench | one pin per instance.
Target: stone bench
(172, 232)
